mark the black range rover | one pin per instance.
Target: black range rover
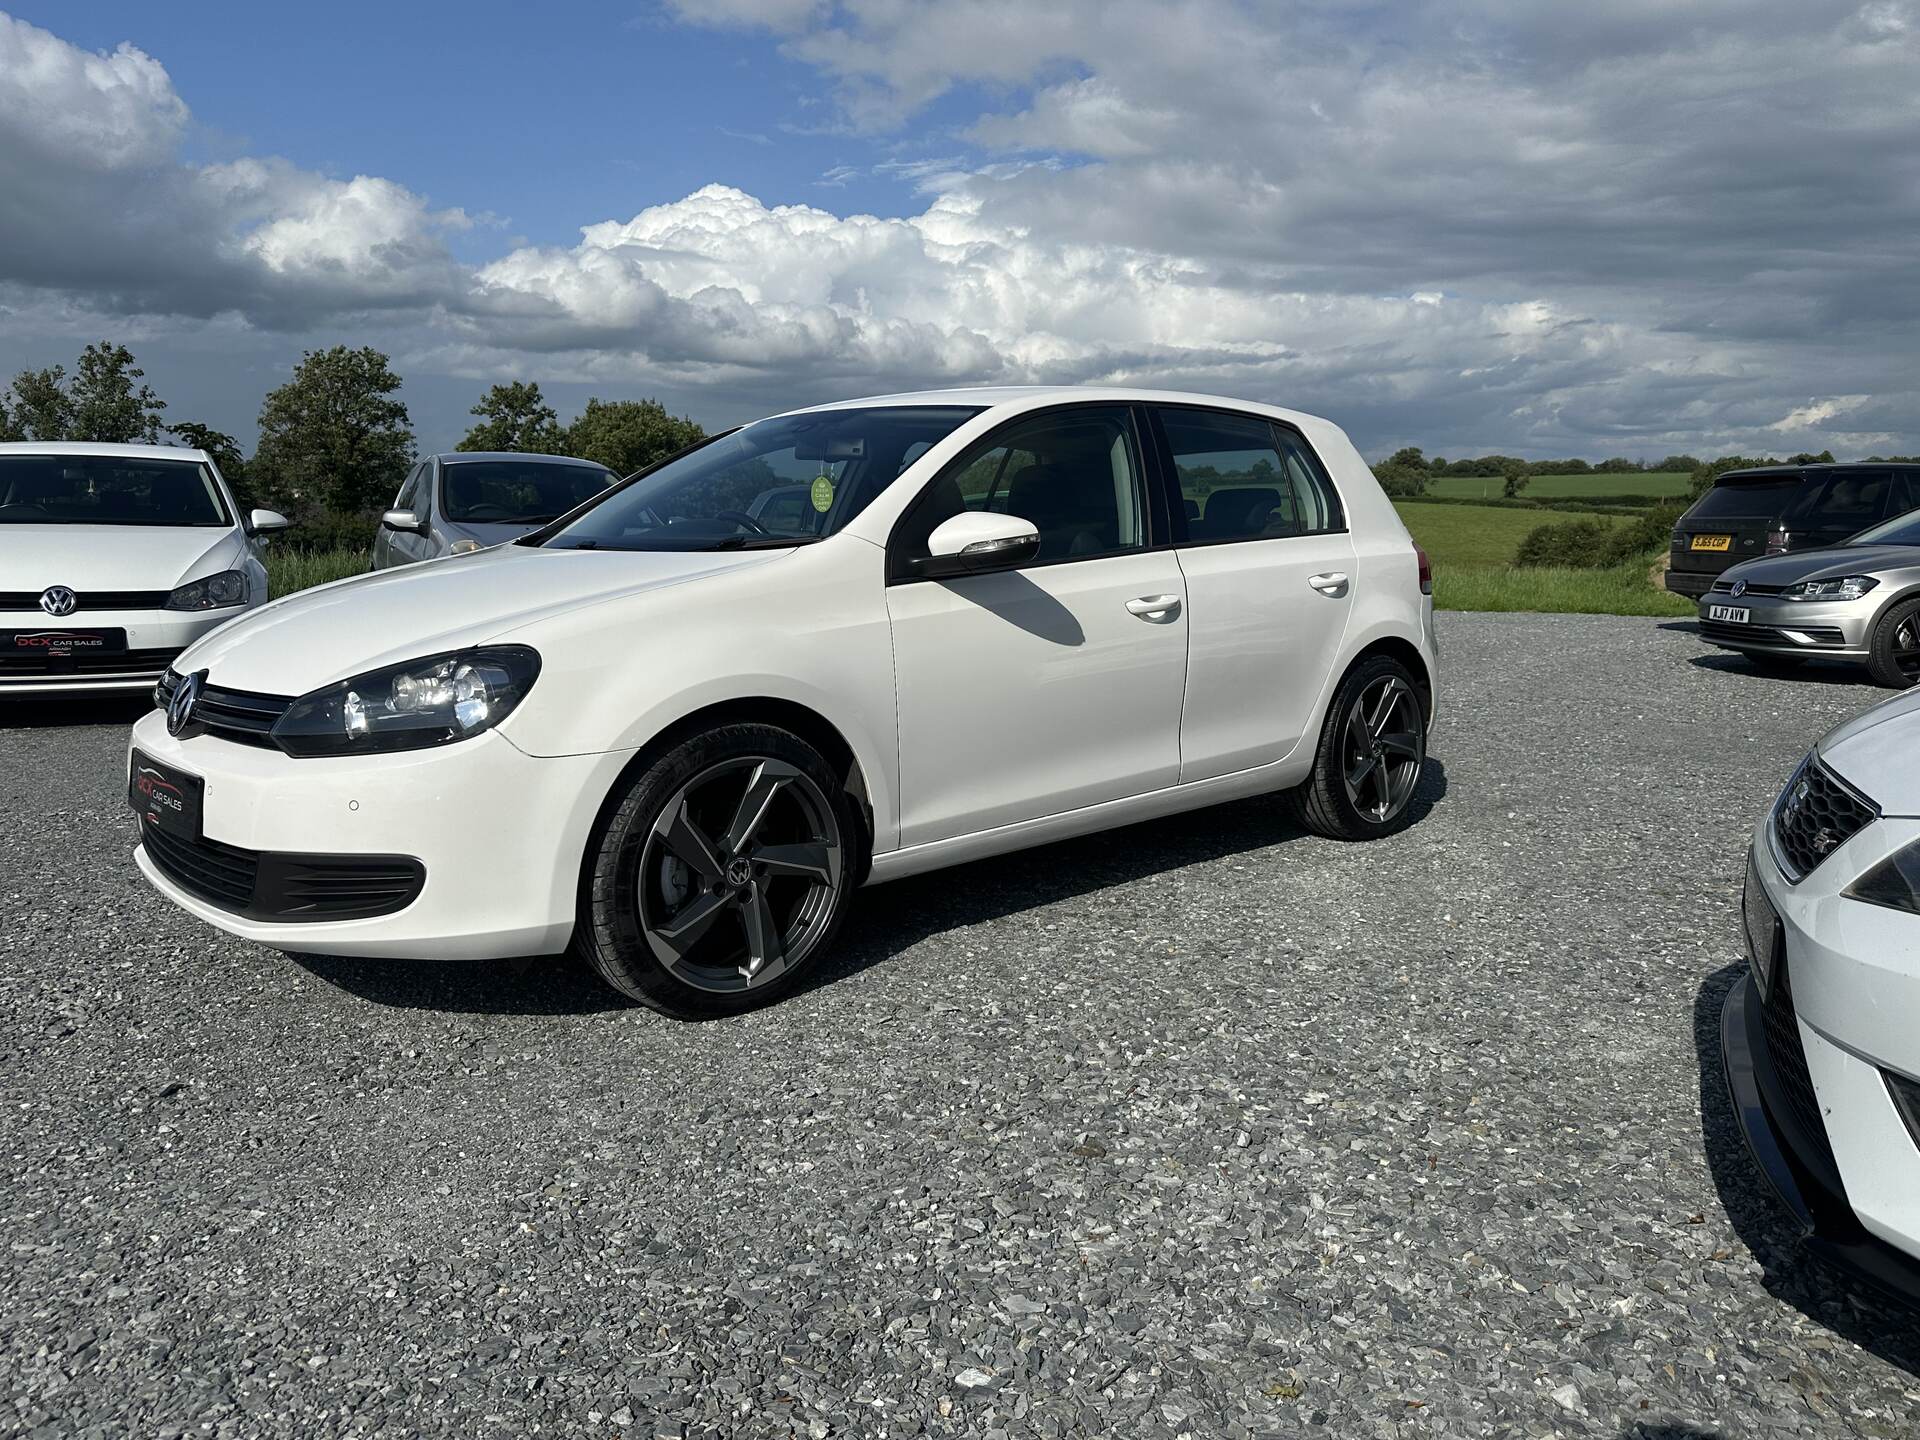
(1777, 508)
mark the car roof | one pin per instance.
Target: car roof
(1029, 396)
(452, 457)
(1765, 471)
(100, 450)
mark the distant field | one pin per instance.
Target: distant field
(1566, 487)
(1478, 534)
(1623, 591)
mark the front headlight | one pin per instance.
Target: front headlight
(1894, 882)
(1852, 587)
(422, 703)
(216, 592)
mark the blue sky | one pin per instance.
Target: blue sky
(1466, 224)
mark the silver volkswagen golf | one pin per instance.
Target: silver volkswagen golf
(468, 500)
(1858, 602)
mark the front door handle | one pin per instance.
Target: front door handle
(1155, 609)
(1332, 583)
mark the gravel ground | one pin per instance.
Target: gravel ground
(1203, 1128)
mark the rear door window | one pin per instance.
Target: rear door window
(1851, 500)
(1245, 478)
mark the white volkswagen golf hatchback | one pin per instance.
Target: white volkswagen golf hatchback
(114, 559)
(679, 735)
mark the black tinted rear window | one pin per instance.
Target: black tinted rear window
(1745, 499)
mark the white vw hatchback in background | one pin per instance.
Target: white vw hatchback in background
(679, 733)
(114, 559)
(1822, 1039)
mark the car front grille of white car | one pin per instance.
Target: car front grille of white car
(1815, 815)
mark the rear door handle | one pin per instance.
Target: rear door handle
(1332, 583)
(1155, 609)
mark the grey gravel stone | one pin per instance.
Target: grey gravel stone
(1206, 1128)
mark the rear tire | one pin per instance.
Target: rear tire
(1893, 654)
(719, 874)
(1371, 755)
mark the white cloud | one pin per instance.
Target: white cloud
(1816, 413)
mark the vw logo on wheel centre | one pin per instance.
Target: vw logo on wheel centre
(185, 696)
(58, 600)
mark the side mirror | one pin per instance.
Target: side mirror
(407, 520)
(264, 522)
(977, 541)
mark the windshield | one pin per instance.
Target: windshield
(785, 481)
(1901, 530)
(107, 490)
(516, 492)
(1746, 499)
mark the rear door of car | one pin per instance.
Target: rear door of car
(1732, 521)
(1270, 574)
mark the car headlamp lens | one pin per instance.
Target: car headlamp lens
(215, 592)
(464, 547)
(1851, 587)
(414, 706)
(1894, 882)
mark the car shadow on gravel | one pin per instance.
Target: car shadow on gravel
(1811, 672)
(63, 711)
(892, 917)
(883, 922)
(1820, 1293)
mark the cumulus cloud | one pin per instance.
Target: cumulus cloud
(1619, 229)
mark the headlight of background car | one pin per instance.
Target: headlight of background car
(1850, 588)
(422, 703)
(216, 592)
(1894, 882)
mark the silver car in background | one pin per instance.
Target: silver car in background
(1857, 602)
(468, 500)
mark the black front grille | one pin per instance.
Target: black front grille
(42, 664)
(1790, 1064)
(90, 599)
(239, 715)
(1815, 815)
(223, 875)
(268, 885)
(1820, 635)
(1725, 584)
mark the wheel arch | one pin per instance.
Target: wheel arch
(802, 720)
(1408, 654)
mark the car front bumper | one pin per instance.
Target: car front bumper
(499, 834)
(1845, 984)
(1836, 629)
(154, 639)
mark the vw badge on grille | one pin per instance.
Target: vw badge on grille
(1739, 587)
(58, 600)
(186, 695)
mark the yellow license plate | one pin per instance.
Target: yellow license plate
(1713, 542)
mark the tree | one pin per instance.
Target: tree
(334, 435)
(1409, 458)
(107, 407)
(515, 417)
(1704, 477)
(629, 435)
(1678, 465)
(1516, 476)
(1618, 465)
(224, 449)
(1400, 480)
(42, 409)
(8, 429)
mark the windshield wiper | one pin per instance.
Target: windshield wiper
(761, 542)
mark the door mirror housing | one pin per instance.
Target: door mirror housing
(407, 521)
(976, 541)
(265, 522)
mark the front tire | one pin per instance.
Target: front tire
(1893, 654)
(720, 873)
(1372, 751)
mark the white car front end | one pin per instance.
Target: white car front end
(1822, 1039)
(103, 602)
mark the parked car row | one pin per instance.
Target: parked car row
(1816, 562)
(674, 722)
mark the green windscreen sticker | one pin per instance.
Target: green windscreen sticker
(823, 493)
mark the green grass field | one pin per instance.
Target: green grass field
(1479, 534)
(291, 570)
(1566, 487)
